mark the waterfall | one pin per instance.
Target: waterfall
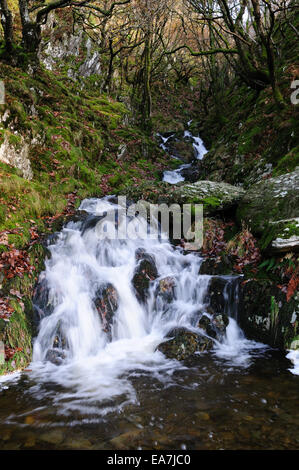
(177, 175)
(91, 355)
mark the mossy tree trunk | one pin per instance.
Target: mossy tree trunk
(266, 41)
(31, 31)
(147, 98)
(7, 25)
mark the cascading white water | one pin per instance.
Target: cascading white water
(200, 149)
(234, 347)
(95, 367)
(175, 176)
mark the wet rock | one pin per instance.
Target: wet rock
(30, 441)
(202, 416)
(59, 341)
(106, 302)
(91, 221)
(126, 440)
(214, 325)
(43, 300)
(182, 149)
(183, 344)
(165, 290)
(266, 316)
(192, 173)
(55, 356)
(52, 239)
(80, 216)
(216, 266)
(145, 272)
(223, 295)
(79, 443)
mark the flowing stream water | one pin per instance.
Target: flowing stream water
(114, 389)
(176, 176)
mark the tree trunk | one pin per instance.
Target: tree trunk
(7, 25)
(31, 32)
(107, 84)
(147, 98)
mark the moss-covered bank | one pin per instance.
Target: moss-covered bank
(59, 143)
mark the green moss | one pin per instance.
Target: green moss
(211, 201)
(288, 162)
(14, 140)
(76, 139)
(272, 231)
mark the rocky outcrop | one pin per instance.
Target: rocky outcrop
(270, 201)
(15, 152)
(214, 196)
(59, 47)
(265, 316)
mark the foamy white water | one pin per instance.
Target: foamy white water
(9, 379)
(175, 176)
(94, 367)
(235, 348)
(200, 149)
(94, 372)
(293, 356)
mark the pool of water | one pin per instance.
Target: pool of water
(206, 403)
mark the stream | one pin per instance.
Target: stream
(177, 175)
(100, 381)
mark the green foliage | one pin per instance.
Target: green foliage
(268, 264)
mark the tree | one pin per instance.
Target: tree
(33, 17)
(7, 25)
(247, 28)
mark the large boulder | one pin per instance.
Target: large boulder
(213, 195)
(265, 316)
(270, 201)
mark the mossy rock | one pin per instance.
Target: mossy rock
(181, 149)
(269, 201)
(183, 343)
(266, 316)
(213, 195)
